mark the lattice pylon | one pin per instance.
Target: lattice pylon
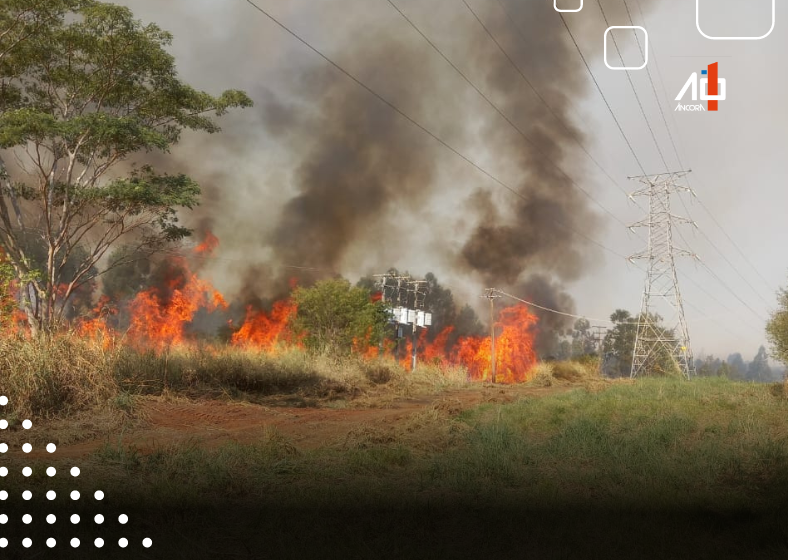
(657, 342)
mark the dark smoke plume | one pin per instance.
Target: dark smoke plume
(363, 164)
(360, 188)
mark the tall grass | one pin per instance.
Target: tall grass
(67, 374)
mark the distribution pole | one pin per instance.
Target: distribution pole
(491, 295)
(599, 340)
(419, 296)
(392, 282)
(654, 343)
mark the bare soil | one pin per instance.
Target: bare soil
(211, 423)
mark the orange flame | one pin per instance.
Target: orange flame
(514, 351)
(208, 245)
(160, 320)
(264, 330)
(97, 329)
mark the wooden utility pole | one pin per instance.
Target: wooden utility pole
(492, 296)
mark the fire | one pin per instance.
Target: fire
(97, 329)
(264, 330)
(208, 245)
(161, 316)
(514, 351)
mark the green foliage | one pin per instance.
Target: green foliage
(7, 296)
(759, 369)
(777, 328)
(85, 86)
(619, 346)
(335, 316)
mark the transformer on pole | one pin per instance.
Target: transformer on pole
(669, 342)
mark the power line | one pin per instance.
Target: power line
(421, 127)
(505, 117)
(532, 304)
(604, 98)
(678, 133)
(678, 157)
(653, 87)
(632, 84)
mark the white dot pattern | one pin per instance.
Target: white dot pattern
(51, 519)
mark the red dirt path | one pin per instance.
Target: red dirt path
(213, 423)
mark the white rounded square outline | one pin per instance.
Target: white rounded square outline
(645, 50)
(555, 6)
(697, 24)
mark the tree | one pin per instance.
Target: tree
(619, 343)
(759, 369)
(777, 328)
(335, 316)
(738, 369)
(582, 339)
(91, 87)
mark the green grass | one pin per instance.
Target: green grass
(655, 469)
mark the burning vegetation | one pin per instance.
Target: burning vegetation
(173, 311)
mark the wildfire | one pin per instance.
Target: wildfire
(209, 244)
(162, 316)
(97, 328)
(514, 353)
(264, 330)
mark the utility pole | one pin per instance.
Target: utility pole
(418, 289)
(599, 339)
(391, 285)
(654, 342)
(491, 295)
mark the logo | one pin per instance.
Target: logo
(712, 89)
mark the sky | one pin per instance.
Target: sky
(737, 155)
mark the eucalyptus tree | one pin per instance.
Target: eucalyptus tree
(86, 93)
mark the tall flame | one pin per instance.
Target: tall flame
(265, 330)
(514, 353)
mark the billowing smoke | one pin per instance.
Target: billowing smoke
(360, 188)
(539, 288)
(362, 165)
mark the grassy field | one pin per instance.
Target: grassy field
(652, 469)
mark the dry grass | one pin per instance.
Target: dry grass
(542, 375)
(60, 376)
(66, 375)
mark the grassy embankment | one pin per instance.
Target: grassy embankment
(654, 469)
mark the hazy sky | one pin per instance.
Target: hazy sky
(738, 155)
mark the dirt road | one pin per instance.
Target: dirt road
(212, 423)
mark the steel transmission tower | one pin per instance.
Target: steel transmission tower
(658, 341)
